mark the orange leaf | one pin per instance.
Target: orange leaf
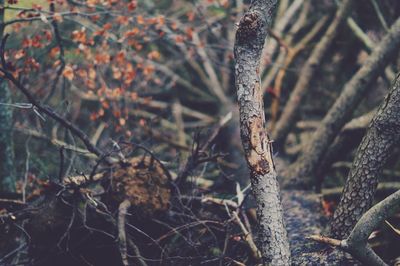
(123, 20)
(82, 73)
(327, 207)
(105, 104)
(57, 17)
(132, 32)
(92, 73)
(189, 32)
(190, 15)
(20, 53)
(93, 116)
(101, 112)
(107, 26)
(91, 3)
(54, 51)
(79, 36)
(117, 74)
(90, 84)
(31, 62)
(122, 121)
(102, 59)
(120, 57)
(68, 73)
(154, 55)
(140, 20)
(179, 39)
(161, 20)
(117, 113)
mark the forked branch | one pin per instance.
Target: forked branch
(357, 242)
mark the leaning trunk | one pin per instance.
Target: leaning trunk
(382, 136)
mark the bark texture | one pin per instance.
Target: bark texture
(250, 36)
(7, 170)
(341, 111)
(348, 139)
(289, 114)
(357, 242)
(304, 217)
(383, 134)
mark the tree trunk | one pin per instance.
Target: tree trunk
(250, 36)
(382, 136)
(7, 170)
(348, 139)
(341, 111)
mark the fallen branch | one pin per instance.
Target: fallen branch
(289, 113)
(352, 94)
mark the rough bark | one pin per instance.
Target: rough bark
(7, 170)
(370, 221)
(357, 242)
(250, 36)
(348, 139)
(289, 113)
(382, 135)
(341, 111)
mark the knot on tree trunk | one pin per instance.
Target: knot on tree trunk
(250, 26)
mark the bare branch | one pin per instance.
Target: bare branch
(357, 242)
(289, 113)
(351, 95)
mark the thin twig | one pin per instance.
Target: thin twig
(47, 110)
(25, 182)
(122, 210)
(61, 169)
(61, 56)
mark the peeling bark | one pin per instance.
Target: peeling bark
(250, 36)
(341, 111)
(382, 136)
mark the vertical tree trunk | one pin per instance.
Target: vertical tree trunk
(250, 36)
(7, 170)
(289, 113)
(383, 134)
(341, 111)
